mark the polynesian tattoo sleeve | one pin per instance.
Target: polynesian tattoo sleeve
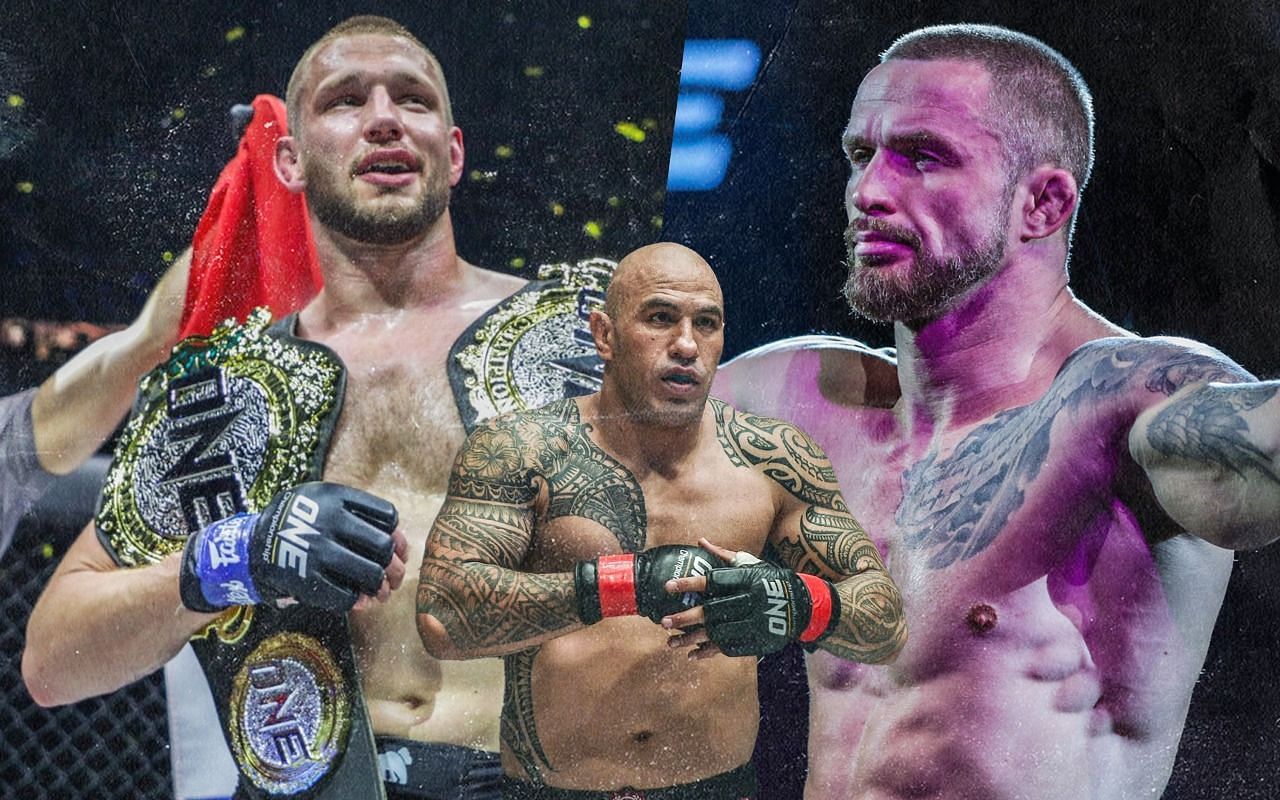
(828, 541)
(956, 506)
(470, 579)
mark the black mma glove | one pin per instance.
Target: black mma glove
(631, 583)
(754, 607)
(323, 544)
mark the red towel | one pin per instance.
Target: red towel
(253, 245)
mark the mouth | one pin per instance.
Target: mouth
(388, 162)
(681, 380)
(876, 244)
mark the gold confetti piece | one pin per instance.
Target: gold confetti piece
(630, 130)
(167, 256)
(46, 550)
(557, 209)
(649, 124)
(25, 187)
(209, 71)
(584, 22)
(656, 221)
(484, 176)
(179, 114)
(593, 229)
(235, 34)
(533, 71)
(503, 151)
(614, 202)
(16, 101)
(517, 263)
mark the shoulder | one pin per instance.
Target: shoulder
(1160, 365)
(808, 370)
(754, 439)
(527, 440)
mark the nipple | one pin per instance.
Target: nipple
(981, 618)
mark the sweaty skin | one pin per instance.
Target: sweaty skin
(647, 461)
(1056, 495)
(373, 146)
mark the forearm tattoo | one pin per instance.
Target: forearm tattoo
(954, 507)
(1206, 425)
(830, 541)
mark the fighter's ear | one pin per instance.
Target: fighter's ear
(457, 155)
(602, 331)
(288, 164)
(1051, 199)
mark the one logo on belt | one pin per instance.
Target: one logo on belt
(290, 716)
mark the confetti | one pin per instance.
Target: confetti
(556, 209)
(25, 187)
(503, 151)
(167, 256)
(630, 130)
(46, 550)
(656, 221)
(533, 71)
(584, 22)
(235, 34)
(179, 114)
(483, 176)
(517, 263)
(593, 229)
(614, 201)
(16, 101)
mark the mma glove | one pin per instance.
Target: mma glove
(632, 583)
(322, 544)
(754, 607)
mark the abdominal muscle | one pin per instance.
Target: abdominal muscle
(410, 694)
(614, 707)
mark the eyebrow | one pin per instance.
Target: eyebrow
(658, 302)
(351, 80)
(917, 140)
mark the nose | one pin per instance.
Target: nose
(870, 188)
(382, 121)
(684, 347)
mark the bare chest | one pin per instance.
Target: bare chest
(607, 509)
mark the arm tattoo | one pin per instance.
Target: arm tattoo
(1205, 425)
(830, 541)
(954, 507)
(518, 729)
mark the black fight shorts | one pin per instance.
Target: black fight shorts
(430, 771)
(736, 784)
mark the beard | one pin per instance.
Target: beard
(931, 284)
(337, 210)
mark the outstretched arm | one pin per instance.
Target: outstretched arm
(1212, 454)
(79, 406)
(472, 599)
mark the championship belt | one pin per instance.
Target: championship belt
(218, 429)
(533, 348)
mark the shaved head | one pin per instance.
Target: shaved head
(656, 263)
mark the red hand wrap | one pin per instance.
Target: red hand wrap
(820, 616)
(616, 579)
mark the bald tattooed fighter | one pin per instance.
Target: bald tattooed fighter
(564, 526)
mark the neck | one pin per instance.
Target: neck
(999, 347)
(642, 442)
(362, 279)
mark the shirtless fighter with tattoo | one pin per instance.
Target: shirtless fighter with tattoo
(1062, 496)
(586, 508)
(375, 150)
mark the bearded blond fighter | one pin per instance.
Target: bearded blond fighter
(375, 151)
(566, 529)
(1060, 497)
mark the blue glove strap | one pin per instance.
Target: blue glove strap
(222, 562)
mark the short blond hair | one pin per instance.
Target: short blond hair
(355, 26)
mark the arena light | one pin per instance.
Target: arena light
(700, 155)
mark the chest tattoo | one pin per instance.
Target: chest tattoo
(953, 508)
